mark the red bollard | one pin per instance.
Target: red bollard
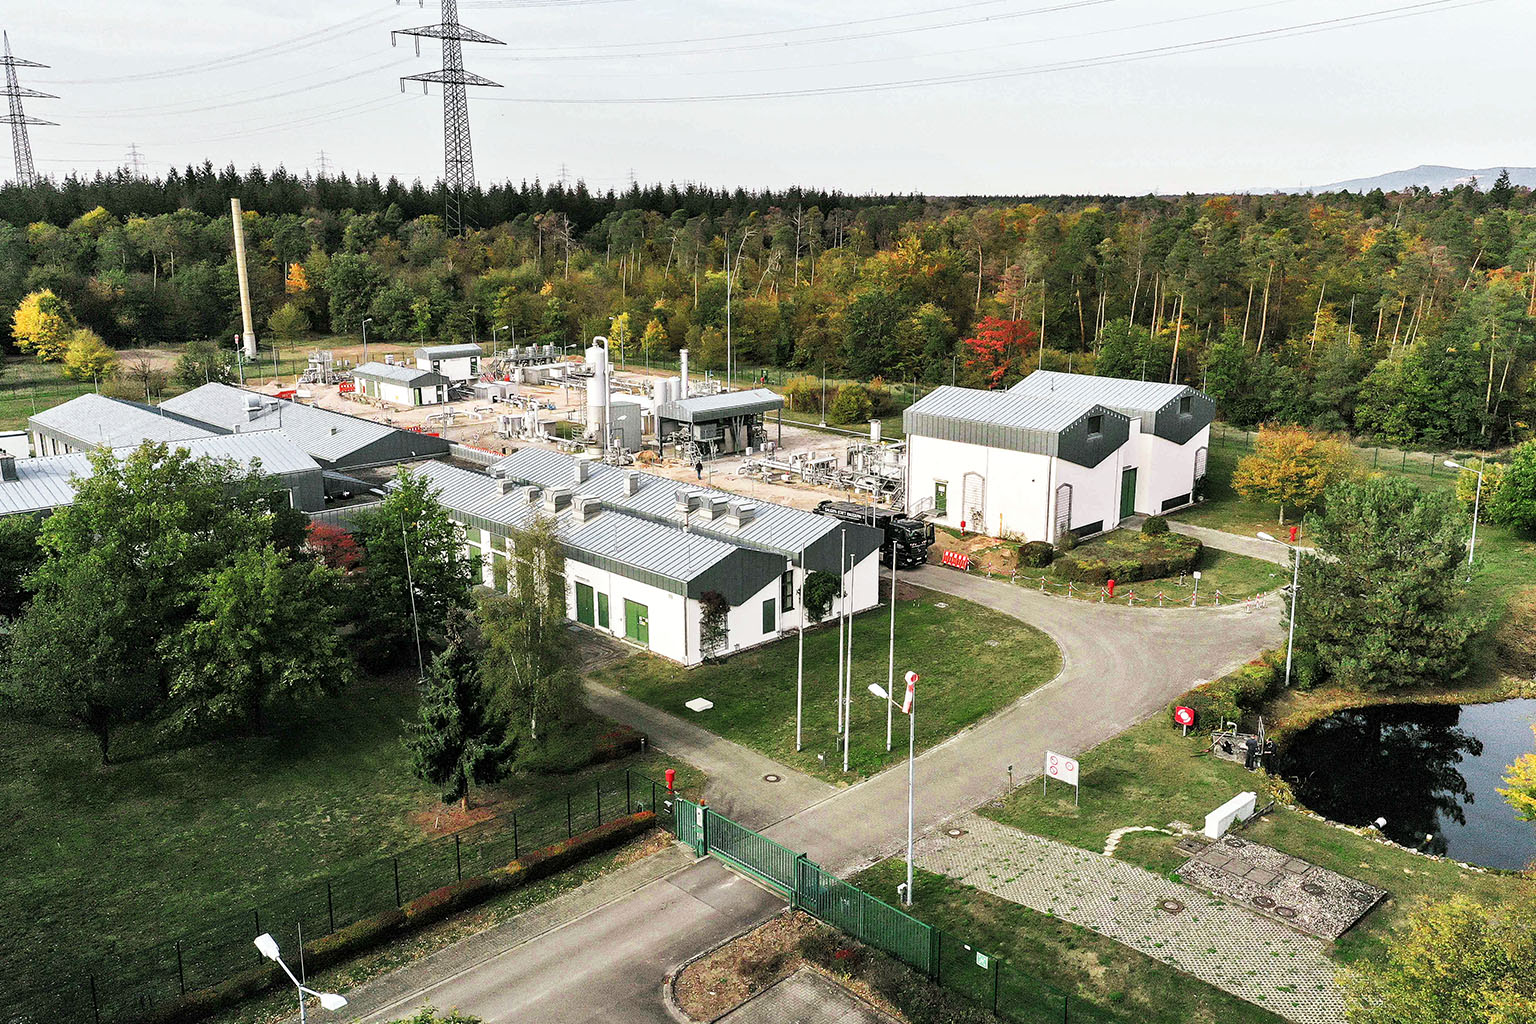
(671, 777)
(1111, 587)
(1293, 533)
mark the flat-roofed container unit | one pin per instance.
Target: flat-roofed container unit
(1056, 452)
(1170, 436)
(89, 422)
(43, 484)
(402, 385)
(724, 424)
(458, 363)
(335, 440)
(769, 538)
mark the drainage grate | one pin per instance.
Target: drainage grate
(1361, 896)
(1264, 901)
(1285, 912)
(1312, 888)
(1171, 906)
(1236, 844)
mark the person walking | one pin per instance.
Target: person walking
(698, 469)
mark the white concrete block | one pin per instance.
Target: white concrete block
(1239, 808)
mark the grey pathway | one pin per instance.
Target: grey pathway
(805, 997)
(1238, 544)
(602, 966)
(1119, 665)
(736, 787)
(1249, 956)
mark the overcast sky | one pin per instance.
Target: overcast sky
(1032, 96)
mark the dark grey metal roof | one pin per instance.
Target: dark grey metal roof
(718, 407)
(996, 419)
(1132, 397)
(448, 351)
(400, 373)
(330, 437)
(632, 545)
(96, 421)
(46, 483)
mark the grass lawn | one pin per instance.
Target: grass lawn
(1225, 577)
(29, 386)
(973, 662)
(1150, 775)
(169, 841)
(1116, 979)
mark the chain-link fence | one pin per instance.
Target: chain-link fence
(132, 982)
(1427, 465)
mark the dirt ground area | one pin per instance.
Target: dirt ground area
(724, 979)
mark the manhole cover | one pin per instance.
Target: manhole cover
(1171, 906)
(770, 778)
(940, 604)
(1313, 888)
(1361, 896)
(954, 832)
(1285, 912)
(1236, 844)
(1263, 901)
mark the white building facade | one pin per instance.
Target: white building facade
(641, 552)
(398, 384)
(459, 363)
(1057, 452)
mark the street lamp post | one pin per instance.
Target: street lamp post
(494, 329)
(1290, 644)
(330, 1000)
(908, 708)
(366, 322)
(1477, 501)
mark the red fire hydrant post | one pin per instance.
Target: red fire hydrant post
(671, 778)
(1111, 588)
(1294, 529)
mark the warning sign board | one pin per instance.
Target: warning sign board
(1059, 767)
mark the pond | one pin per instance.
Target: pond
(1431, 770)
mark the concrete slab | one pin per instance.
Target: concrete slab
(806, 997)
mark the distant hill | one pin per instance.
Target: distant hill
(1430, 176)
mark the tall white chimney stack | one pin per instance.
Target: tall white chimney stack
(684, 372)
(249, 336)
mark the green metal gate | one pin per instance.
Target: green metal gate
(757, 855)
(689, 818)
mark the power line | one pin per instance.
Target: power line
(324, 165)
(21, 141)
(458, 151)
(135, 160)
(1123, 57)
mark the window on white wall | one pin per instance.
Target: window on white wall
(1063, 509)
(1200, 463)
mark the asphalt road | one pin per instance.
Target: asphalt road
(1120, 665)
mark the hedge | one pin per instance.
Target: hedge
(371, 932)
(1235, 696)
(1036, 554)
(1129, 558)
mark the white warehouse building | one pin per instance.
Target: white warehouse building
(1056, 452)
(399, 384)
(459, 363)
(641, 550)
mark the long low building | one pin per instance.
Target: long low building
(1057, 452)
(399, 384)
(43, 484)
(92, 421)
(642, 550)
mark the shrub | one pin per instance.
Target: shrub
(1066, 542)
(821, 589)
(448, 899)
(354, 938)
(618, 742)
(1515, 638)
(1235, 696)
(1128, 558)
(1155, 526)
(852, 405)
(1514, 499)
(1037, 554)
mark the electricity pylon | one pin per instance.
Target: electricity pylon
(458, 153)
(21, 143)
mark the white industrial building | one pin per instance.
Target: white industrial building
(459, 363)
(1056, 452)
(641, 550)
(402, 385)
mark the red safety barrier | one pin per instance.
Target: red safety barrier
(956, 560)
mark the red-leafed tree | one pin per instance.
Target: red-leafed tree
(1000, 348)
(334, 546)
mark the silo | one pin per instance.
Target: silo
(683, 355)
(597, 392)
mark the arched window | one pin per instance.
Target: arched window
(1200, 463)
(1063, 509)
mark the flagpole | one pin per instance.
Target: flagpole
(848, 714)
(842, 603)
(890, 671)
(800, 668)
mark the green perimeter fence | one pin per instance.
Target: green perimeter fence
(948, 961)
(1387, 460)
(128, 983)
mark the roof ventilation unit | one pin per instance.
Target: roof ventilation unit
(631, 483)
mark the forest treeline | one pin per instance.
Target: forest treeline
(1409, 318)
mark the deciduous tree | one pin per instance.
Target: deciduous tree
(42, 325)
(87, 356)
(999, 349)
(1513, 501)
(1290, 467)
(1520, 780)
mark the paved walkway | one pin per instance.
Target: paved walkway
(1238, 544)
(1228, 947)
(805, 997)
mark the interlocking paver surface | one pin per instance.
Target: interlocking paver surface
(1249, 956)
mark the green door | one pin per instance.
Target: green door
(584, 604)
(637, 623)
(602, 610)
(1128, 493)
(770, 620)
